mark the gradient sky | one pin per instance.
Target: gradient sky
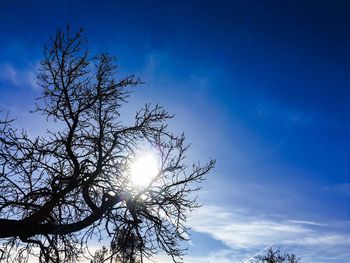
(261, 86)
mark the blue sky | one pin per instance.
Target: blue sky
(261, 86)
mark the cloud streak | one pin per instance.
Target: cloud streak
(18, 77)
(319, 242)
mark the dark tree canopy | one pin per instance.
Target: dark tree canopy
(72, 185)
(275, 256)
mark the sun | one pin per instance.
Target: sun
(143, 170)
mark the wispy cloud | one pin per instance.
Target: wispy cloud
(269, 109)
(19, 77)
(248, 234)
(343, 188)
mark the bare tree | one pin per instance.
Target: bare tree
(59, 191)
(275, 256)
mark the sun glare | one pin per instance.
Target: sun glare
(143, 170)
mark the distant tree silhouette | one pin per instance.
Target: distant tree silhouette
(61, 190)
(108, 255)
(275, 256)
(124, 252)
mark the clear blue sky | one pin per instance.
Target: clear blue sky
(262, 86)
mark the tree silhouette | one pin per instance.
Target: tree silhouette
(275, 256)
(61, 190)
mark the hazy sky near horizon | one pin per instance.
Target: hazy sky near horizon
(261, 86)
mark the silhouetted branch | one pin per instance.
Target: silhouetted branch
(59, 191)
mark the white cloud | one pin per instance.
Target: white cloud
(248, 234)
(221, 256)
(19, 77)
